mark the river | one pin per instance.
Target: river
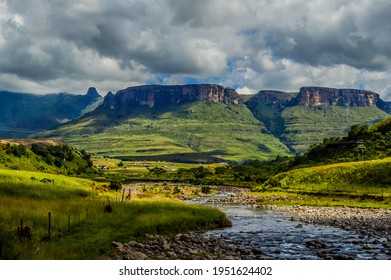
(278, 236)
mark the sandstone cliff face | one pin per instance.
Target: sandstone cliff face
(320, 96)
(160, 95)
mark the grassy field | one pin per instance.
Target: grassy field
(216, 131)
(141, 170)
(364, 184)
(80, 228)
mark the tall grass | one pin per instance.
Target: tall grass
(367, 180)
(80, 229)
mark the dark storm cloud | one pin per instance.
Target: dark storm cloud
(250, 43)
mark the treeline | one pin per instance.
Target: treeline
(248, 174)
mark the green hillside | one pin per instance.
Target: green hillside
(305, 126)
(361, 143)
(359, 184)
(196, 131)
(303, 119)
(55, 159)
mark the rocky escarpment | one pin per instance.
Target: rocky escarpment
(273, 98)
(161, 95)
(322, 96)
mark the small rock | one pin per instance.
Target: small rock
(184, 237)
(367, 247)
(118, 245)
(171, 254)
(140, 256)
(257, 251)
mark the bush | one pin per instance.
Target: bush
(46, 180)
(115, 185)
(206, 189)
(274, 182)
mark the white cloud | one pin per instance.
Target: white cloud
(246, 91)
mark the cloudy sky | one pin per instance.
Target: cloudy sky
(52, 46)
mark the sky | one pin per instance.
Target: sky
(250, 45)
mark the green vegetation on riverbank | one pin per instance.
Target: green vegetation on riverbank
(364, 184)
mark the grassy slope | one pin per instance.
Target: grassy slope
(364, 184)
(217, 130)
(271, 117)
(80, 202)
(306, 126)
(30, 161)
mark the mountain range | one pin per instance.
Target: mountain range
(206, 122)
(23, 114)
(197, 123)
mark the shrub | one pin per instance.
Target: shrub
(274, 182)
(206, 189)
(115, 185)
(46, 180)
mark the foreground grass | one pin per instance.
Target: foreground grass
(80, 229)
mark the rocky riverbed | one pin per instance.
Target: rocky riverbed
(372, 227)
(187, 246)
(368, 223)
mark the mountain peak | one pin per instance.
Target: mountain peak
(92, 92)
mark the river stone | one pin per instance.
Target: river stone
(117, 245)
(193, 251)
(139, 256)
(367, 247)
(184, 237)
(257, 251)
(171, 254)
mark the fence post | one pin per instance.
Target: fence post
(130, 194)
(69, 223)
(123, 194)
(21, 230)
(49, 224)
